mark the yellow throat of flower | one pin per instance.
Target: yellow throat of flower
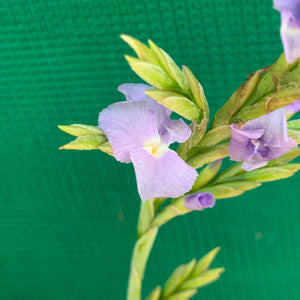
(155, 146)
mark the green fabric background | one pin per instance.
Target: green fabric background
(68, 218)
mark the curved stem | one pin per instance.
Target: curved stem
(139, 260)
(145, 239)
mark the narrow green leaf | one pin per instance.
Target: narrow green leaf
(176, 73)
(106, 147)
(290, 76)
(160, 95)
(183, 107)
(80, 129)
(184, 295)
(151, 73)
(291, 167)
(284, 96)
(155, 294)
(229, 172)
(294, 134)
(242, 185)
(197, 91)
(86, 142)
(159, 55)
(203, 279)
(171, 67)
(270, 79)
(222, 191)
(265, 174)
(236, 101)
(141, 50)
(207, 174)
(214, 136)
(208, 155)
(289, 156)
(293, 124)
(178, 276)
(230, 189)
(177, 103)
(198, 132)
(249, 113)
(205, 262)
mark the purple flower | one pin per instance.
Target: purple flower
(140, 131)
(290, 27)
(260, 140)
(199, 201)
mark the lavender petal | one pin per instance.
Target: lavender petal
(274, 126)
(240, 147)
(165, 175)
(288, 5)
(135, 91)
(290, 36)
(129, 125)
(174, 131)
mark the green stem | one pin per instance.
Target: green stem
(139, 260)
(145, 239)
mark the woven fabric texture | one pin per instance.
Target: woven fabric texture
(68, 218)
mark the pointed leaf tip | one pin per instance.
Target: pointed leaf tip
(81, 129)
(184, 295)
(203, 279)
(151, 73)
(170, 67)
(155, 294)
(179, 275)
(86, 142)
(177, 103)
(205, 262)
(141, 50)
(196, 90)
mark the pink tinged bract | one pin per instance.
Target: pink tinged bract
(260, 140)
(199, 201)
(140, 131)
(290, 27)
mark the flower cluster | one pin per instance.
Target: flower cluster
(140, 131)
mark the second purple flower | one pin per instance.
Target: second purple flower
(260, 140)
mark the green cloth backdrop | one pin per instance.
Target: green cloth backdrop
(68, 218)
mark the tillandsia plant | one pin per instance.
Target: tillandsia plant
(252, 129)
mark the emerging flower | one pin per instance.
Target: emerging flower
(199, 201)
(290, 27)
(140, 131)
(260, 140)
